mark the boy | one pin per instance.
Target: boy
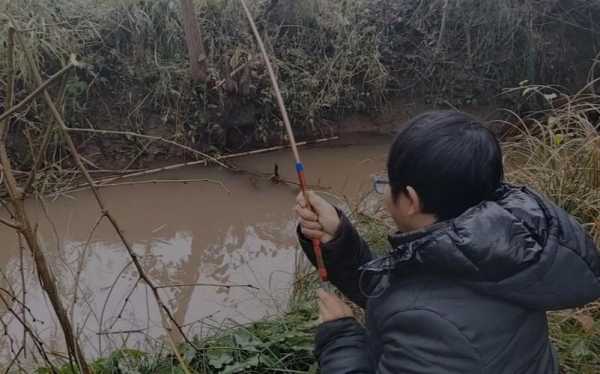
(475, 265)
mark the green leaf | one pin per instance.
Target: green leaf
(558, 139)
(219, 360)
(189, 353)
(244, 339)
(240, 367)
(580, 349)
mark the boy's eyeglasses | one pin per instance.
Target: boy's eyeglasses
(380, 183)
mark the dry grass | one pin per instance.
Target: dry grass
(558, 153)
(560, 156)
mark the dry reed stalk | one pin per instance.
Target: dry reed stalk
(204, 162)
(154, 181)
(209, 285)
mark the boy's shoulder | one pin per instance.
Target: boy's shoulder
(451, 300)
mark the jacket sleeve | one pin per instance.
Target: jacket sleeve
(413, 342)
(342, 257)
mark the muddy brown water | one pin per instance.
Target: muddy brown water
(185, 234)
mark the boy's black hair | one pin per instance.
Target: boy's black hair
(450, 159)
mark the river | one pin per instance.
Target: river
(239, 231)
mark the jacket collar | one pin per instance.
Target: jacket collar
(404, 248)
(492, 240)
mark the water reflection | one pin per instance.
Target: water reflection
(184, 235)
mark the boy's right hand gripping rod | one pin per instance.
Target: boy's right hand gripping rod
(299, 166)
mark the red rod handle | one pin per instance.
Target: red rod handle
(320, 263)
(316, 242)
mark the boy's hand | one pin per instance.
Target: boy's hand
(332, 307)
(324, 224)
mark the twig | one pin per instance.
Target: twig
(112, 287)
(208, 285)
(134, 134)
(136, 331)
(155, 181)
(7, 113)
(81, 263)
(11, 224)
(14, 359)
(36, 341)
(14, 299)
(203, 162)
(125, 301)
(23, 287)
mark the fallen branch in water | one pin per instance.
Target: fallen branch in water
(209, 285)
(204, 162)
(154, 181)
(136, 331)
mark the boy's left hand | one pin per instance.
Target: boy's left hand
(332, 307)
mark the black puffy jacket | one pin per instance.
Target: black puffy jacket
(465, 296)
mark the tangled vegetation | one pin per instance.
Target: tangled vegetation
(557, 152)
(333, 57)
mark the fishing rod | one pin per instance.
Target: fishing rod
(288, 126)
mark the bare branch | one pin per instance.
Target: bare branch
(37, 91)
(81, 264)
(11, 224)
(157, 181)
(203, 162)
(23, 287)
(209, 285)
(37, 342)
(134, 134)
(14, 359)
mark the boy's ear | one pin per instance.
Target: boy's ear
(414, 201)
